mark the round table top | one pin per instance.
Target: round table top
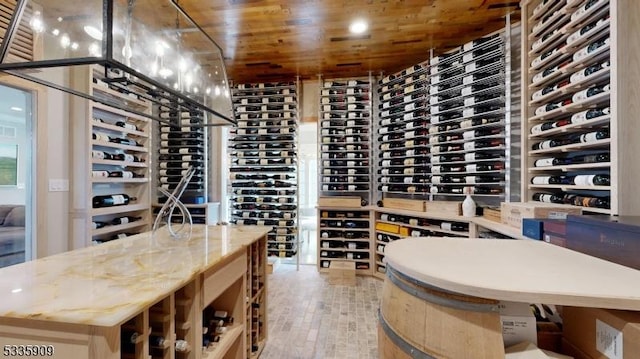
(516, 270)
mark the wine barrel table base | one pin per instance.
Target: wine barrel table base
(420, 321)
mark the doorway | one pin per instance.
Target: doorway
(308, 192)
(16, 175)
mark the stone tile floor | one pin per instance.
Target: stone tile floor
(309, 318)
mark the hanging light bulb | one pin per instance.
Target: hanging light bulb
(208, 91)
(154, 68)
(36, 23)
(161, 46)
(55, 32)
(216, 91)
(165, 72)
(94, 50)
(65, 41)
(74, 46)
(127, 52)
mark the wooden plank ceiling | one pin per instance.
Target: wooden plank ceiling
(268, 40)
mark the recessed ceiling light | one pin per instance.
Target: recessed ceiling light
(358, 27)
(17, 109)
(93, 32)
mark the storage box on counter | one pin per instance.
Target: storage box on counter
(602, 333)
(340, 201)
(616, 239)
(404, 204)
(532, 228)
(555, 232)
(452, 208)
(512, 213)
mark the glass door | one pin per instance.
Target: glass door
(16, 169)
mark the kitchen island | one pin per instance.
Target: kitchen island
(115, 299)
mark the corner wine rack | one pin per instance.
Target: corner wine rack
(579, 74)
(264, 162)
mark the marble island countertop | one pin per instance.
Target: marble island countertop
(107, 284)
(516, 270)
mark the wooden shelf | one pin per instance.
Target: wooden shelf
(118, 228)
(113, 94)
(119, 146)
(119, 209)
(226, 342)
(568, 168)
(119, 180)
(120, 163)
(119, 129)
(573, 147)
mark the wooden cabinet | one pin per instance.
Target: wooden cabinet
(344, 236)
(579, 77)
(111, 156)
(393, 224)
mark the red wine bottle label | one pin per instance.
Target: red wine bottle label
(408, 171)
(446, 226)
(128, 158)
(470, 156)
(471, 168)
(99, 174)
(469, 145)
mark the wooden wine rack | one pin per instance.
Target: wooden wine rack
(100, 119)
(561, 39)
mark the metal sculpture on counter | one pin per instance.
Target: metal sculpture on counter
(166, 213)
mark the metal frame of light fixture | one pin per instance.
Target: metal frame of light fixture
(148, 88)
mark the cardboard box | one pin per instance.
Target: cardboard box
(513, 212)
(388, 227)
(553, 239)
(443, 207)
(616, 239)
(492, 214)
(342, 201)
(518, 323)
(569, 348)
(603, 333)
(532, 228)
(405, 204)
(342, 273)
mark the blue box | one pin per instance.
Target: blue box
(616, 239)
(532, 228)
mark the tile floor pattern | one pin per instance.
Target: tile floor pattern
(310, 319)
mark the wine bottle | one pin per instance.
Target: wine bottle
(156, 340)
(101, 155)
(98, 224)
(551, 161)
(586, 72)
(592, 180)
(547, 197)
(594, 136)
(112, 200)
(592, 47)
(125, 174)
(454, 226)
(545, 180)
(124, 220)
(590, 114)
(99, 174)
(590, 158)
(128, 126)
(590, 92)
(537, 129)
